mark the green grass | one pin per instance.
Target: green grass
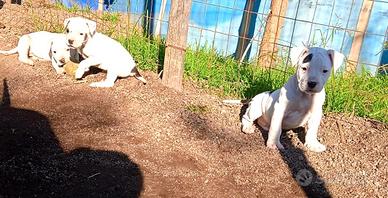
(74, 7)
(112, 17)
(42, 24)
(360, 95)
(197, 109)
(147, 53)
(216, 72)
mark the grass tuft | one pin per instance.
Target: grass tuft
(198, 109)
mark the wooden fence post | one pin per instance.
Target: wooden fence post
(100, 8)
(272, 32)
(176, 44)
(359, 35)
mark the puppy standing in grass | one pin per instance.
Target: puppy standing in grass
(298, 102)
(100, 51)
(44, 46)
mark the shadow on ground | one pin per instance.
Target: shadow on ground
(33, 164)
(202, 130)
(303, 173)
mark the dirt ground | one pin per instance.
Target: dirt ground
(59, 138)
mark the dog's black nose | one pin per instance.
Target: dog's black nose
(311, 84)
(71, 41)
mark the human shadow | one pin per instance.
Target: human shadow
(303, 173)
(33, 164)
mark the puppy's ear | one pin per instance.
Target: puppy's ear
(66, 23)
(296, 53)
(51, 50)
(92, 27)
(336, 59)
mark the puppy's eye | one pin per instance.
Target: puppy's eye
(304, 68)
(81, 34)
(67, 49)
(67, 31)
(325, 71)
(54, 52)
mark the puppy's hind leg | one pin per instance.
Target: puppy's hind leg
(253, 112)
(24, 50)
(137, 75)
(108, 82)
(9, 52)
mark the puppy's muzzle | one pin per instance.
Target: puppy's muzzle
(62, 60)
(311, 84)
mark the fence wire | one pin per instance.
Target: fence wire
(232, 29)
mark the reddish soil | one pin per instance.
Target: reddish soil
(59, 138)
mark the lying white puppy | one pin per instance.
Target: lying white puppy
(100, 51)
(298, 102)
(44, 46)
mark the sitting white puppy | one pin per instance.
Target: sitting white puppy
(44, 46)
(298, 102)
(100, 51)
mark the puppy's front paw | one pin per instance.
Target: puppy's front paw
(248, 129)
(275, 146)
(27, 61)
(247, 125)
(101, 84)
(315, 146)
(60, 70)
(79, 73)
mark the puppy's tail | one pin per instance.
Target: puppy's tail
(138, 76)
(9, 52)
(235, 102)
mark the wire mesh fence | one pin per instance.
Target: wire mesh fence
(237, 28)
(239, 47)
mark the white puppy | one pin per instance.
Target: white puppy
(100, 51)
(44, 46)
(298, 102)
